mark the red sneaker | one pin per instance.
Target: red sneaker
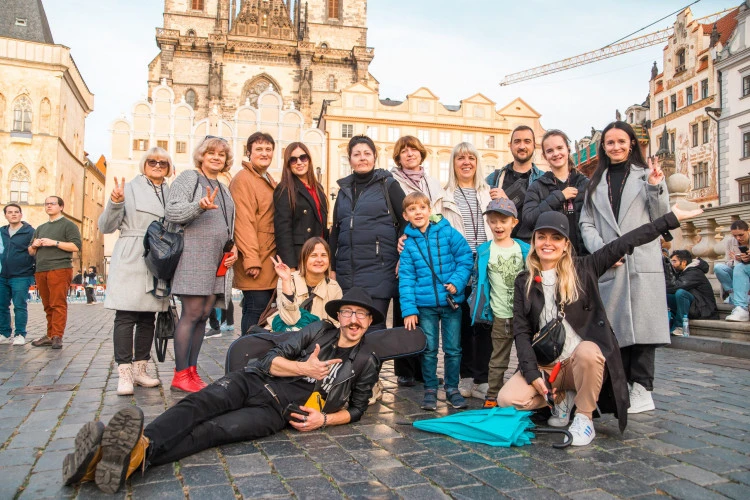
(182, 381)
(196, 378)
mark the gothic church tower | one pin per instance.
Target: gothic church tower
(220, 54)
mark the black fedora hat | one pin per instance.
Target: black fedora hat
(355, 297)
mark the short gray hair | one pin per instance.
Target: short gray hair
(156, 151)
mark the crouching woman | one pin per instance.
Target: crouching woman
(556, 279)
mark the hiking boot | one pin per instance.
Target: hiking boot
(56, 343)
(562, 410)
(429, 402)
(406, 381)
(479, 391)
(80, 466)
(489, 403)
(42, 342)
(466, 386)
(125, 379)
(455, 399)
(123, 449)
(193, 370)
(582, 430)
(640, 399)
(19, 340)
(141, 376)
(738, 314)
(377, 393)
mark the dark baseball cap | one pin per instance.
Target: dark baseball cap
(553, 220)
(502, 206)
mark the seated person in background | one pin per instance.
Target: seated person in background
(320, 360)
(302, 295)
(689, 293)
(734, 276)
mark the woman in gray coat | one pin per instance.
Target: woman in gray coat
(203, 278)
(131, 286)
(624, 193)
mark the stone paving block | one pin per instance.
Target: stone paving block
(534, 494)
(470, 461)
(378, 431)
(375, 459)
(329, 454)
(478, 492)
(733, 490)
(294, 467)
(203, 475)
(501, 479)
(530, 467)
(13, 477)
(352, 443)
(686, 443)
(402, 445)
(705, 459)
(565, 483)
(396, 477)
(443, 446)
(449, 476)
(162, 489)
(50, 461)
(89, 491)
(694, 474)
(248, 465)
(215, 492)
(368, 490)
(347, 472)
(594, 495)
(313, 488)
(205, 457)
(312, 440)
(742, 477)
(46, 485)
(241, 448)
(622, 486)
(497, 453)
(421, 460)
(154, 474)
(641, 472)
(30, 439)
(24, 456)
(686, 490)
(281, 449)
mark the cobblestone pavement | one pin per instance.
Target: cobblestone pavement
(695, 445)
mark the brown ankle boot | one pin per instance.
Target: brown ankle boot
(79, 466)
(119, 443)
(138, 456)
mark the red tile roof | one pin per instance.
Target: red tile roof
(725, 26)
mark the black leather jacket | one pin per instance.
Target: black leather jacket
(355, 379)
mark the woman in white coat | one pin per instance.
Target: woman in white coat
(131, 208)
(624, 193)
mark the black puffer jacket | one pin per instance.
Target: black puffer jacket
(693, 279)
(544, 195)
(353, 384)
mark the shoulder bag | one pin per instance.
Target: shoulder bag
(166, 323)
(549, 341)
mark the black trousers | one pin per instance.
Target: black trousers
(237, 407)
(125, 321)
(410, 366)
(639, 363)
(476, 346)
(227, 316)
(90, 299)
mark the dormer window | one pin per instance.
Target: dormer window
(21, 21)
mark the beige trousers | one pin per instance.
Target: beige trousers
(582, 372)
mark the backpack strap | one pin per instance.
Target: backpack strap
(384, 181)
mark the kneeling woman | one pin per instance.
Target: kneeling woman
(555, 276)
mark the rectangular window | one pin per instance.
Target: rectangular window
(660, 106)
(372, 132)
(704, 126)
(445, 138)
(746, 145)
(181, 147)
(423, 107)
(423, 136)
(333, 9)
(744, 190)
(694, 128)
(700, 175)
(347, 130)
(468, 138)
(673, 103)
(393, 134)
(163, 144)
(140, 144)
(490, 142)
(745, 86)
(689, 95)
(360, 101)
(197, 4)
(704, 88)
(444, 171)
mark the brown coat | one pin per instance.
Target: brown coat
(253, 230)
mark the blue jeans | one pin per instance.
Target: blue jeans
(255, 302)
(16, 290)
(679, 303)
(735, 278)
(430, 319)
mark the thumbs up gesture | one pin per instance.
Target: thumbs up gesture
(315, 368)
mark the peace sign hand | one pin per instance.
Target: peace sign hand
(207, 202)
(118, 193)
(282, 270)
(656, 175)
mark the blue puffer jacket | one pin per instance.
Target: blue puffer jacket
(446, 252)
(479, 301)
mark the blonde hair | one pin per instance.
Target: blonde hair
(460, 149)
(414, 198)
(156, 151)
(213, 143)
(568, 284)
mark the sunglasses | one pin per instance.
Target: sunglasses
(304, 158)
(157, 163)
(214, 137)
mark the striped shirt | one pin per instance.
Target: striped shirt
(471, 213)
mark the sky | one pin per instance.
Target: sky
(456, 49)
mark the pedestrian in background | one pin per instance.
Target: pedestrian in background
(734, 275)
(203, 278)
(132, 291)
(16, 273)
(53, 246)
(89, 278)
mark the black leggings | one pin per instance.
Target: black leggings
(188, 336)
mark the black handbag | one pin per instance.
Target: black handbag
(162, 249)
(549, 341)
(166, 324)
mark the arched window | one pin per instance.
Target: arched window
(190, 98)
(45, 110)
(19, 184)
(190, 32)
(331, 82)
(22, 114)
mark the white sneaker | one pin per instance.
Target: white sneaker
(19, 340)
(677, 332)
(582, 430)
(479, 391)
(4, 339)
(377, 393)
(466, 386)
(739, 314)
(728, 300)
(640, 399)
(561, 412)
(211, 334)
(226, 328)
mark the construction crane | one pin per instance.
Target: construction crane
(613, 50)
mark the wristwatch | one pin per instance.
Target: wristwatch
(57, 243)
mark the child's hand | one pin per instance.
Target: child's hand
(451, 289)
(410, 322)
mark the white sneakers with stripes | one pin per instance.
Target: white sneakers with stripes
(582, 430)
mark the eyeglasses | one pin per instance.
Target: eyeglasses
(304, 158)
(157, 163)
(347, 313)
(50, 203)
